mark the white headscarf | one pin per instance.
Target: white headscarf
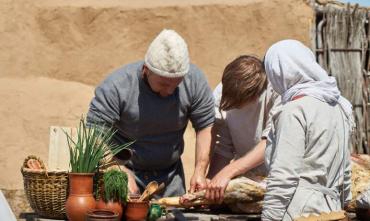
(292, 69)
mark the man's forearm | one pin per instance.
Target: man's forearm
(249, 161)
(203, 149)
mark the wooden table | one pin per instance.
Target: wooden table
(207, 215)
(183, 215)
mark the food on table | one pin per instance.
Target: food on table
(242, 194)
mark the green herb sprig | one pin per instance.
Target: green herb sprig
(115, 186)
(92, 145)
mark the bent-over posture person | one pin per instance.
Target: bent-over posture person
(308, 152)
(243, 104)
(151, 101)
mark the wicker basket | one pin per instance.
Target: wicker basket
(46, 192)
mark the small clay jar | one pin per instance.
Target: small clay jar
(101, 215)
(111, 206)
(136, 210)
(134, 196)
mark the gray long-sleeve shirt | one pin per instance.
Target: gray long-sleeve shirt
(308, 159)
(157, 123)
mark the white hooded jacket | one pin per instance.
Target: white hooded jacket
(308, 147)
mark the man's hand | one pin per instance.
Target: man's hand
(202, 154)
(197, 182)
(132, 186)
(217, 186)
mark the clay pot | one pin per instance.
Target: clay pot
(137, 210)
(80, 199)
(111, 206)
(134, 196)
(102, 215)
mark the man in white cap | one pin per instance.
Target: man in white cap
(151, 102)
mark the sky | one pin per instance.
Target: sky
(360, 2)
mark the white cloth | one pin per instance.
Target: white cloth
(292, 70)
(240, 130)
(6, 212)
(308, 147)
(168, 55)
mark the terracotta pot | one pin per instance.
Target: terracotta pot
(111, 206)
(134, 196)
(80, 199)
(136, 210)
(101, 215)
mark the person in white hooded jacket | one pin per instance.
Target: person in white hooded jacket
(307, 151)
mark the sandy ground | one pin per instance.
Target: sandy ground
(54, 52)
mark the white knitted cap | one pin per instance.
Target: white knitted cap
(168, 55)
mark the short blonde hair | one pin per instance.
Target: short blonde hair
(243, 80)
